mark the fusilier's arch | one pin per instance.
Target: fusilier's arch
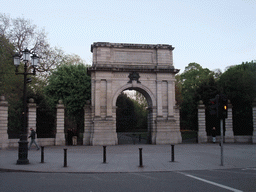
(146, 68)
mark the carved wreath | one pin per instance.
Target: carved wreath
(134, 76)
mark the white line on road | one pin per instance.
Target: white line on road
(212, 183)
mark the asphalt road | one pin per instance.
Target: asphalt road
(198, 180)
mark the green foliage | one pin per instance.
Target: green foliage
(131, 113)
(239, 84)
(140, 107)
(71, 84)
(126, 119)
(195, 83)
(11, 86)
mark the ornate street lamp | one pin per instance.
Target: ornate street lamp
(23, 143)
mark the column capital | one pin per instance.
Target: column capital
(201, 105)
(31, 103)
(229, 104)
(3, 102)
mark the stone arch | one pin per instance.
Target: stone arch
(151, 100)
(147, 93)
(147, 68)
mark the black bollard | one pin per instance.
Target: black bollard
(65, 157)
(42, 154)
(172, 153)
(104, 154)
(140, 156)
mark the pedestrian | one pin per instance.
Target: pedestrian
(33, 137)
(70, 135)
(213, 134)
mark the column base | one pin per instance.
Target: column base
(60, 139)
(168, 137)
(202, 137)
(104, 132)
(254, 138)
(167, 132)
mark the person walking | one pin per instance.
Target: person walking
(33, 137)
(214, 135)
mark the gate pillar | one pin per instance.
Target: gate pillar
(31, 114)
(254, 121)
(4, 142)
(229, 133)
(202, 135)
(60, 134)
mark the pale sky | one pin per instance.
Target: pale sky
(213, 33)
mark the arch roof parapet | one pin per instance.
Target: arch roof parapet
(134, 46)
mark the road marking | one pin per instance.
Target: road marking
(212, 183)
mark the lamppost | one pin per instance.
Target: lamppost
(23, 143)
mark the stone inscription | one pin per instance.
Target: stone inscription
(133, 57)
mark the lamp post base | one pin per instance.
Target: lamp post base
(23, 151)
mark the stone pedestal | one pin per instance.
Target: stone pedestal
(254, 121)
(229, 133)
(60, 134)
(202, 134)
(3, 123)
(104, 132)
(168, 130)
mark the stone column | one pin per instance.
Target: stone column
(60, 134)
(97, 98)
(229, 133)
(109, 96)
(4, 142)
(254, 121)
(159, 98)
(202, 135)
(171, 98)
(31, 115)
(87, 123)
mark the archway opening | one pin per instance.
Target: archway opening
(133, 117)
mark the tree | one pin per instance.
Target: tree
(239, 84)
(71, 84)
(131, 112)
(140, 109)
(125, 116)
(11, 86)
(23, 34)
(190, 82)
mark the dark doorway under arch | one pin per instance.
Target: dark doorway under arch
(132, 118)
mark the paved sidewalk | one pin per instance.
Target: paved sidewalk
(125, 158)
